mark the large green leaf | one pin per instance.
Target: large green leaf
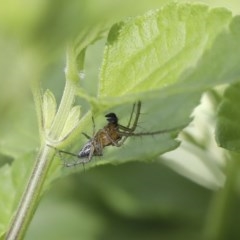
(155, 50)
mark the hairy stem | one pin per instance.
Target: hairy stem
(30, 196)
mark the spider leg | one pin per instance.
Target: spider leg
(94, 126)
(130, 119)
(114, 143)
(128, 134)
(132, 129)
(93, 129)
(59, 152)
(127, 131)
(87, 136)
(90, 153)
(62, 151)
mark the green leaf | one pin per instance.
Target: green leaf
(49, 109)
(155, 50)
(72, 121)
(228, 118)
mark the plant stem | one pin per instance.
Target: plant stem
(30, 196)
(35, 184)
(223, 203)
(33, 190)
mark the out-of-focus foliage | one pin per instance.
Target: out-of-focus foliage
(228, 129)
(136, 200)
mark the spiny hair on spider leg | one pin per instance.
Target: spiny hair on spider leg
(81, 161)
(139, 125)
(142, 113)
(74, 164)
(67, 163)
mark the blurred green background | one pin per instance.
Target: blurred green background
(130, 201)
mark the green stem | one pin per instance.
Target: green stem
(34, 187)
(223, 203)
(33, 190)
(30, 196)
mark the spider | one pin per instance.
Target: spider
(112, 134)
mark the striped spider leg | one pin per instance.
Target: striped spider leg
(123, 132)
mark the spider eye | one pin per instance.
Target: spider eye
(112, 118)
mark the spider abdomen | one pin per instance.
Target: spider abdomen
(85, 151)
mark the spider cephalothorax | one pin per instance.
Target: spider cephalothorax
(112, 118)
